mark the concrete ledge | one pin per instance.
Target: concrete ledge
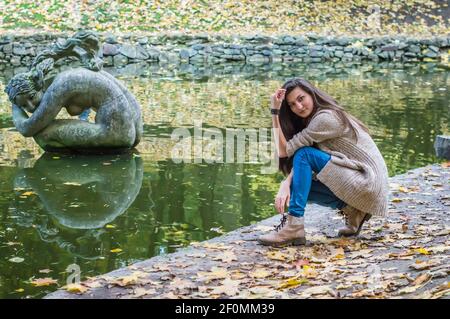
(403, 256)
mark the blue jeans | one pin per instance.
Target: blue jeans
(84, 116)
(303, 188)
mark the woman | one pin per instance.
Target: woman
(318, 136)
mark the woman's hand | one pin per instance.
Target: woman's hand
(277, 98)
(283, 197)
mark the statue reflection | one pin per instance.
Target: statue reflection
(79, 193)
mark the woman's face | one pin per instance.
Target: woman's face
(300, 102)
(28, 102)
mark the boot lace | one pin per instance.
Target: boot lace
(283, 221)
(347, 222)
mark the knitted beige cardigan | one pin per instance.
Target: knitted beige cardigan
(356, 173)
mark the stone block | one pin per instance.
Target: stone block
(442, 146)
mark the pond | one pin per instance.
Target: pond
(106, 212)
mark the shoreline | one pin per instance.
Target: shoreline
(390, 258)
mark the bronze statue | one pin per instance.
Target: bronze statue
(118, 122)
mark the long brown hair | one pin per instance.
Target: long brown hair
(291, 123)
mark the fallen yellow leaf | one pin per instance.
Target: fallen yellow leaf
(292, 282)
(219, 246)
(181, 284)
(408, 290)
(45, 271)
(260, 273)
(226, 257)
(215, 273)
(76, 288)
(126, 280)
(403, 189)
(420, 265)
(422, 251)
(28, 193)
(264, 291)
(319, 290)
(16, 260)
(339, 253)
(139, 292)
(93, 284)
(358, 279)
(421, 279)
(309, 272)
(42, 282)
(276, 255)
(229, 287)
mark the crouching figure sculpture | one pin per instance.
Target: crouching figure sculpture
(118, 122)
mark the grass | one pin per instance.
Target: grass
(416, 17)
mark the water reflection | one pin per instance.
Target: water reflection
(83, 192)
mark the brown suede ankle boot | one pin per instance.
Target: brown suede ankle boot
(354, 219)
(290, 231)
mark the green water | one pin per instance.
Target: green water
(62, 210)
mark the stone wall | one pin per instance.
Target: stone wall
(16, 51)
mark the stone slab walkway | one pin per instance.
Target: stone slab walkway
(403, 256)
